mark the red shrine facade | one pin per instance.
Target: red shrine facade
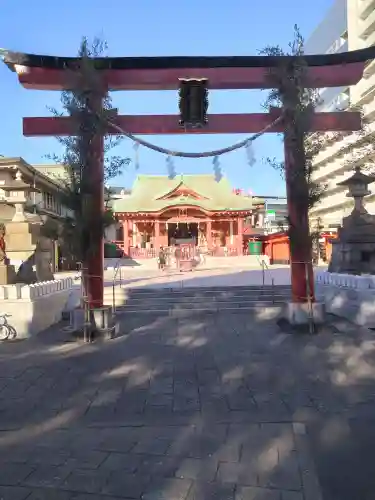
(189, 209)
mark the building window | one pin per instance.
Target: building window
(50, 203)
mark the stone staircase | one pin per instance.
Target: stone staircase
(174, 301)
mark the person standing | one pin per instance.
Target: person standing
(197, 255)
(203, 256)
(161, 259)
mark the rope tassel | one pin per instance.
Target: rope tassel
(217, 169)
(250, 153)
(170, 168)
(136, 155)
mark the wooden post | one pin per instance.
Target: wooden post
(156, 235)
(134, 234)
(125, 225)
(296, 189)
(240, 236)
(209, 234)
(95, 265)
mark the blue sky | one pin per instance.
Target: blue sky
(152, 28)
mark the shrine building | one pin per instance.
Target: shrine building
(195, 209)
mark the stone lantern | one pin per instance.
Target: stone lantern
(26, 247)
(353, 252)
(358, 188)
(16, 193)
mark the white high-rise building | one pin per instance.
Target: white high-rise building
(349, 25)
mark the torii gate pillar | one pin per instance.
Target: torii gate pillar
(95, 264)
(301, 269)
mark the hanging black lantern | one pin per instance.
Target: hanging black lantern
(193, 102)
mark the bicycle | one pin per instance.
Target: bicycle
(7, 331)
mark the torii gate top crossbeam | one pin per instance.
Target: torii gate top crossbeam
(162, 73)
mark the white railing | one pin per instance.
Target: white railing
(21, 291)
(367, 26)
(345, 280)
(366, 7)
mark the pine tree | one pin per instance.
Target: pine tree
(298, 104)
(82, 230)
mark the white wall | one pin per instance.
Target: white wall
(348, 296)
(33, 308)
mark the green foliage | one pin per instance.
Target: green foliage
(51, 229)
(84, 226)
(361, 150)
(313, 144)
(298, 103)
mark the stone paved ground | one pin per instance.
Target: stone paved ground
(210, 407)
(231, 276)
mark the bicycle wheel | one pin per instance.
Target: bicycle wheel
(4, 332)
(12, 332)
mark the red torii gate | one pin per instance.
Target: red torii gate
(164, 73)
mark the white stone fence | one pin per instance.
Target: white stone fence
(34, 291)
(345, 280)
(33, 308)
(348, 296)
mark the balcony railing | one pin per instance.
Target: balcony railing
(340, 45)
(142, 253)
(369, 71)
(152, 253)
(366, 7)
(366, 88)
(367, 26)
(369, 111)
(370, 40)
(222, 252)
(339, 149)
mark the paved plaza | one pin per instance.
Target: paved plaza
(233, 275)
(208, 407)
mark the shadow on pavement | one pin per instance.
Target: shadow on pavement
(210, 406)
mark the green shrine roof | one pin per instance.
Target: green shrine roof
(154, 193)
